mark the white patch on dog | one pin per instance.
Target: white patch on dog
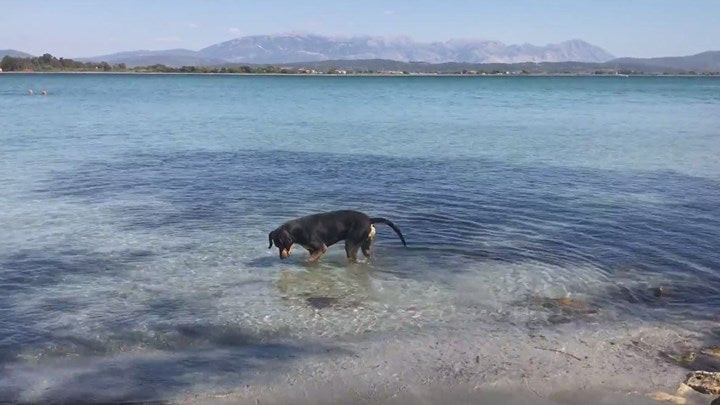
(371, 235)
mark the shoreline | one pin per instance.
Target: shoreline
(564, 366)
(363, 74)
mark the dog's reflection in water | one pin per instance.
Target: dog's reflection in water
(326, 286)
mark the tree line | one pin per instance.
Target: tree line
(215, 69)
(49, 63)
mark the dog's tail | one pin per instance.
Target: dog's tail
(391, 225)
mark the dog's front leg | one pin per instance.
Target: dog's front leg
(366, 244)
(317, 254)
(351, 250)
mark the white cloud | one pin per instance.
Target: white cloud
(193, 25)
(389, 12)
(234, 30)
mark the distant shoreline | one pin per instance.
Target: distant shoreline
(360, 74)
(384, 68)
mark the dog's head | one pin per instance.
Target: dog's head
(283, 240)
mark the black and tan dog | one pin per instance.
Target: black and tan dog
(319, 231)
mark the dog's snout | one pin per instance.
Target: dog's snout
(284, 253)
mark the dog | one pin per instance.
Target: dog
(319, 231)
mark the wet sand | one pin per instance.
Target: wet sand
(564, 366)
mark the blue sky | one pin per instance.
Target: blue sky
(75, 28)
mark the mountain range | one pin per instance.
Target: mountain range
(289, 48)
(702, 62)
(377, 53)
(14, 53)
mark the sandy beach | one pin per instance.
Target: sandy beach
(563, 366)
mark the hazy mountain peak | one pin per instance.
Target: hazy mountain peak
(285, 48)
(292, 47)
(13, 53)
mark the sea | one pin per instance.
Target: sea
(135, 211)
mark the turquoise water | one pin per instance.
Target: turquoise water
(135, 211)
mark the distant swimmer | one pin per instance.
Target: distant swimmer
(44, 92)
(31, 92)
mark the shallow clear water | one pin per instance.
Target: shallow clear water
(135, 211)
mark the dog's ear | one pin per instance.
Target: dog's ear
(270, 238)
(285, 237)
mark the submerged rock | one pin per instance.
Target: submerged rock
(704, 381)
(683, 395)
(683, 390)
(554, 311)
(321, 302)
(712, 351)
(665, 397)
(566, 305)
(557, 319)
(684, 358)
